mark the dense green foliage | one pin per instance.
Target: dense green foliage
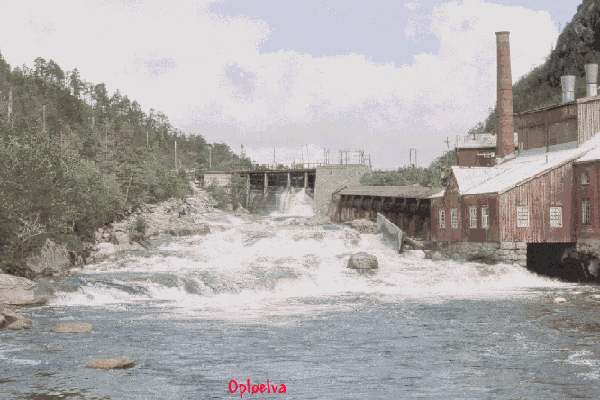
(72, 157)
(405, 176)
(234, 194)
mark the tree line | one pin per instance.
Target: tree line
(431, 176)
(73, 157)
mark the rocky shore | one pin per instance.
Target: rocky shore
(175, 217)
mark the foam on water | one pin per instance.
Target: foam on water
(278, 266)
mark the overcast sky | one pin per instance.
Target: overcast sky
(381, 76)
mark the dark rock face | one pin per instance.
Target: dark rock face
(363, 261)
(577, 45)
(114, 363)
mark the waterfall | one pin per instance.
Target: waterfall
(281, 201)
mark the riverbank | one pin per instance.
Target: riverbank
(174, 217)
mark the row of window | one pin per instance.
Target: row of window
(522, 216)
(485, 213)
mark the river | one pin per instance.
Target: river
(269, 299)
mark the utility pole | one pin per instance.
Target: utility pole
(209, 157)
(175, 155)
(44, 118)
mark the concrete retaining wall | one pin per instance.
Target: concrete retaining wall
(385, 226)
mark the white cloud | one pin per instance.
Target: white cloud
(205, 70)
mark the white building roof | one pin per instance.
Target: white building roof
(479, 141)
(523, 167)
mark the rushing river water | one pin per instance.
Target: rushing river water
(271, 299)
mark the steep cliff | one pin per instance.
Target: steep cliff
(577, 45)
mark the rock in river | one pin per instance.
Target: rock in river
(362, 261)
(18, 291)
(114, 363)
(72, 328)
(13, 321)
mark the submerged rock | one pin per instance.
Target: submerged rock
(363, 260)
(319, 219)
(113, 363)
(72, 328)
(434, 255)
(560, 300)
(186, 229)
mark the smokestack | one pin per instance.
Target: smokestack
(568, 88)
(591, 80)
(505, 139)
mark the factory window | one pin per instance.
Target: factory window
(473, 217)
(454, 218)
(556, 217)
(586, 217)
(442, 219)
(523, 216)
(485, 214)
(585, 178)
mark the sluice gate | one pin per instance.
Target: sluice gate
(271, 191)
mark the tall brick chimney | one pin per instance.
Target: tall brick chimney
(505, 138)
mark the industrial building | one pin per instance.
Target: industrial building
(536, 191)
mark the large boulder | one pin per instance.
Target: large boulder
(103, 251)
(15, 290)
(363, 260)
(318, 219)
(241, 211)
(13, 321)
(122, 238)
(52, 260)
(114, 363)
(363, 225)
(72, 328)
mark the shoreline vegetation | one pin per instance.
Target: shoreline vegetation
(74, 158)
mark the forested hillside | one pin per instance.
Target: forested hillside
(72, 157)
(577, 45)
(432, 176)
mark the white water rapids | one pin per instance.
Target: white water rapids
(267, 264)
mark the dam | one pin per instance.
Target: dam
(270, 190)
